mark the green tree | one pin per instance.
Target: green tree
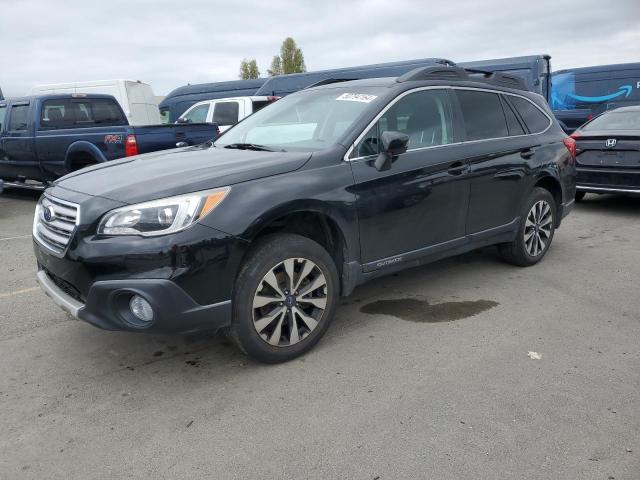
(276, 67)
(249, 69)
(291, 57)
(290, 60)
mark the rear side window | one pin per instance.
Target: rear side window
(3, 114)
(258, 104)
(18, 117)
(483, 115)
(226, 113)
(535, 120)
(512, 121)
(66, 113)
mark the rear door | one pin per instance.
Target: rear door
(499, 153)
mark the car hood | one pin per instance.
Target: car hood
(174, 172)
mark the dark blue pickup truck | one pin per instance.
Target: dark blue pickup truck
(45, 137)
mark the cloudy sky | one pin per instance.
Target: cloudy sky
(168, 43)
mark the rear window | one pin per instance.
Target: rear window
(615, 121)
(18, 117)
(483, 115)
(258, 104)
(69, 113)
(533, 117)
(226, 113)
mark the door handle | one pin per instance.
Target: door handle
(527, 153)
(458, 168)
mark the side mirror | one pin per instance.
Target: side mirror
(393, 144)
(183, 120)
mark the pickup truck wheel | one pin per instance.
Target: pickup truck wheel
(537, 226)
(284, 299)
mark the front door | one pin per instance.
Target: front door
(420, 203)
(17, 146)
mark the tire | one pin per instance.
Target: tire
(580, 196)
(274, 325)
(538, 222)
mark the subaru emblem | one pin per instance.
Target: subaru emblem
(610, 143)
(48, 214)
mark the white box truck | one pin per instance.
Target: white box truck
(136, 98)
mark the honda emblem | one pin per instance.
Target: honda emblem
(610, 143)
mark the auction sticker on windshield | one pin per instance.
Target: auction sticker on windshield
(357, 97)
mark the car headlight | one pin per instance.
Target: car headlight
(163, 216)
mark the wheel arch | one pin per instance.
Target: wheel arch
(550, 183)
(317, 221)
(82, 151)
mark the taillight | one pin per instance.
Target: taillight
(570, 143)
(272, 98)
(130, 146)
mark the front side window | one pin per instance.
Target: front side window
(18, 117)
(533, 117)
(197, 114)
(425, 116)
(307, 120)
(483, 115)
(164, 115)
(225, 113)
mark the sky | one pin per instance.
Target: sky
(169, 43)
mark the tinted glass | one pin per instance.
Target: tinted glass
(535, 120)
(18, 117)
(67, 113)
(198, 114)
(307, 120)
(483, 115)
(512, 121)
(225, 113)
(3, 113)
(629, 120)
(425, 116)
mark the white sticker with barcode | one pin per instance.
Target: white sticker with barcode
(357, 97)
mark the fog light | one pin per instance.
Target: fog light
(141, 308)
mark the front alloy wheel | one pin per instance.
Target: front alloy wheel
(284, 297)
(289, 302)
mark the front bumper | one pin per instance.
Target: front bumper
(107, 303)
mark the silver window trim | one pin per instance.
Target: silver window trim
(439, 87)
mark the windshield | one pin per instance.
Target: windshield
(308, 120)
(615, 121)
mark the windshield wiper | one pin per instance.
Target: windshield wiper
(249, 146)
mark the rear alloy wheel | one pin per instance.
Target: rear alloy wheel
(537, 226)
(284, 298)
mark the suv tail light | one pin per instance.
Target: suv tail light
(570, 143)
(130, 146)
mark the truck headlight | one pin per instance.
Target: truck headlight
(163, 216)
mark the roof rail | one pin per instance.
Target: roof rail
(328, 81)
(460, 74)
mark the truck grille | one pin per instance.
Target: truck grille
(55, 223)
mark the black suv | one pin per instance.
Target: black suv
(261, 231)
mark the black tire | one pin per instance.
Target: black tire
(519, 251)
(580, 196)
(264, 258)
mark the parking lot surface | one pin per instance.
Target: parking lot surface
(467, 368)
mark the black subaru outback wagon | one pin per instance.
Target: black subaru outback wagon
(261, 231)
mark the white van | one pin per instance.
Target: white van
(226, 112)
(136, 98)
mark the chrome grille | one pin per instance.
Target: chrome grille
(54, 223)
